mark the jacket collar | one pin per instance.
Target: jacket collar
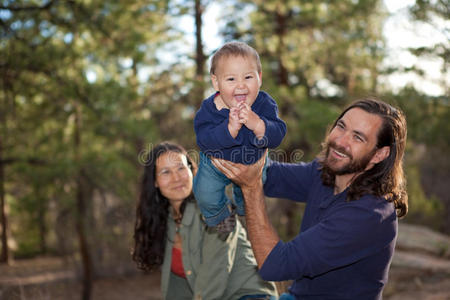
(188, 215)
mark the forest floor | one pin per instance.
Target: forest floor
(46, 278)
(53, 279)
(420, 270)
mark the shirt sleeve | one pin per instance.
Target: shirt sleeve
(211, 134)
(352, 232)
(289, 180)
(275, 127)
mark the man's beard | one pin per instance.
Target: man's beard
(354, 166)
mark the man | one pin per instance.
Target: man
(354, 192)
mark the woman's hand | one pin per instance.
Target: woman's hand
(246, 176)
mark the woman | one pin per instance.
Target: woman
(197, 263)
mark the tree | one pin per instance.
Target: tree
(428, 131)
(4, 256)
(434, 13)
(66, 61)
(199, 54)
(427, 161)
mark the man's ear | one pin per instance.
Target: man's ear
(381, 154)
(215, 82)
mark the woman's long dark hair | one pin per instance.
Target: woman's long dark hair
(152, 211)
(386, 178)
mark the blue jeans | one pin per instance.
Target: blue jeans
(258, 297)
(209, 190)
(286, 296)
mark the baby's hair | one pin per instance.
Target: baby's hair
(234, 49)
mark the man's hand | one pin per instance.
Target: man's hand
(246, 176)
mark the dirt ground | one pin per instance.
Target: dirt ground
(54, 279)
(49, 278)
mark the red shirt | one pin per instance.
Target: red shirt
(177, 262)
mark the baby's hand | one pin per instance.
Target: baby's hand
(234, 124)
(251, 120)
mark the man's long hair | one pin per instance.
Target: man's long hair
(386, 178)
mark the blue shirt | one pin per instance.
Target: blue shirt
(214, 139)
(344, 248)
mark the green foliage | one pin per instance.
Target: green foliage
(426, 116)
(309, 41)
(423, 209)
(427, 164)
(48, 57)
(314, 122)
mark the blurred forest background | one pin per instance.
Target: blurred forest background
(87, 87)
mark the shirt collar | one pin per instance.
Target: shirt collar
(188, 215)
(330, 197)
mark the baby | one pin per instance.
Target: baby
(237, 123)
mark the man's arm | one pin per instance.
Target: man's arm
(261, 234)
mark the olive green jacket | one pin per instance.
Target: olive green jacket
(215, 269)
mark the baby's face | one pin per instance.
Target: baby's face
(237, 79)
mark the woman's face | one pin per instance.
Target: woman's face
(173, 177)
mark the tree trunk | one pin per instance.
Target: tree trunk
(199, 54)
(86, 260)
(4, 256)
(42, 209)
(280, 30)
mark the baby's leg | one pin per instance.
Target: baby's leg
(209, 190)
(238, 200)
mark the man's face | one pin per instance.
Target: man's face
(352, 142)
